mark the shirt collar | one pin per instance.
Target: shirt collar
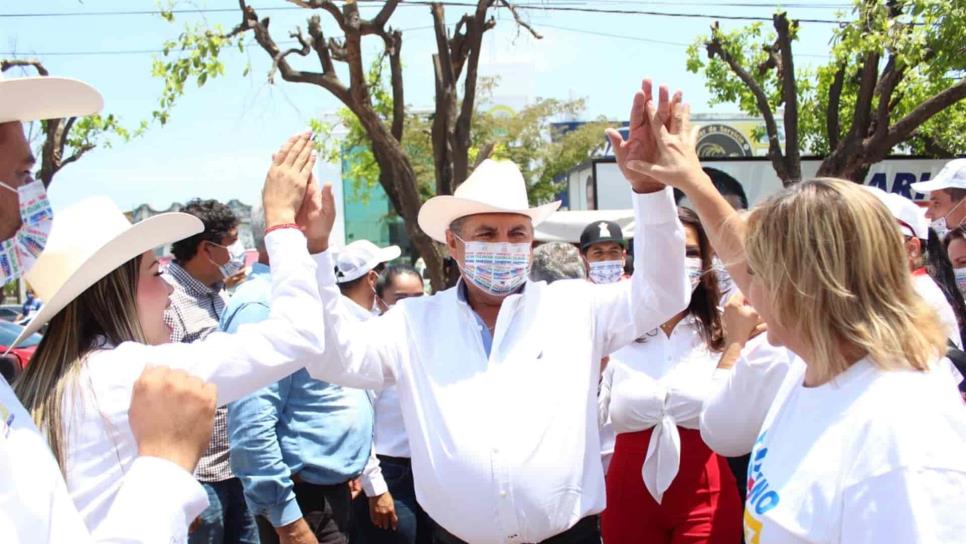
(190, 283)
(259, 269)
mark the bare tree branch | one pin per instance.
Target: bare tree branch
(323, 4)
(78, 153)
(519, 20)
(320, 46)
(890, 78)
(789, 94)
(380, 20)
(923, 112)
(7, 64)
(832, 117)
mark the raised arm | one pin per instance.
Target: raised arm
(675, 163)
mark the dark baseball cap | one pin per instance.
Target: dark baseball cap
(599, 232)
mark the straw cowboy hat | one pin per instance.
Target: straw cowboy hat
(494, 187)
(88, 241)
(37, 98)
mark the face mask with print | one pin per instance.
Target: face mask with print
(18, 253)
(693, 267)
(498, 268)
(606, 271)
(725, 283)
(961, 280)
(236, 259)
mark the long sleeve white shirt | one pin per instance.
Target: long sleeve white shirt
(157, 499)
(101, 446)
(660, 382)
(505, 447)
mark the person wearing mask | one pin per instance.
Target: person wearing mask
(866, 439)
(398, 282)
(946, 193)
(296, 444)
(105, 302)
(955, 244)
(496, 458)
(664, 484)
(603, 251)
(202, 263)
(170, 412)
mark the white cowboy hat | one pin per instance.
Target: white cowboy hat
(361, 256)
(89, 240)
(952, 176)
(494, 187)
(38, 98)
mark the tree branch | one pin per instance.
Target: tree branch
(78, 153)
(923, 112)
(323, 4)
(890, 78)
(396, 82)
(832, 126)
(789, 94)
(7, 64)
(519, 20)
(715, 47)
(380, 20)
(320, 46)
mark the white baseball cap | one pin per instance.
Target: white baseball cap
(952, 176)
(911, 217)
(45, 97)
(361, 256)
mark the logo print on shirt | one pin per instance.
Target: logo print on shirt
(761, 498)
(604, 231)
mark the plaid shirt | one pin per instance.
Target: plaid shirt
(194, 314)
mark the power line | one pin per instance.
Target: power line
(535, 7)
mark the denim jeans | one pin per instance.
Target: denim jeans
(414, 526)
(227, 520)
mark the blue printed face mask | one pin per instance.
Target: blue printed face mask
(606, 271)
(497, 268)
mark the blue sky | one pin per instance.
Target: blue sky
(219, 139)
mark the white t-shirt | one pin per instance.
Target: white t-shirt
(934, 297)
(872, 456)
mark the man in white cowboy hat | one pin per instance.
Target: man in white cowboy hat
(497, 377)
(947, 192)
(297, 444)
(171, 412)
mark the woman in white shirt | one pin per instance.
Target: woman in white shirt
(105, 301)
(865, 441)
(664, 483)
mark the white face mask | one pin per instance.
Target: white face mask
(694, 270)
(940, 225)
(18, 254)
(961, 280)
(606, 271)
(236, 259)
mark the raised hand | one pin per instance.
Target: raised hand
(287, 180)
(741, 321)
(675, 159)
(641, 144)
(317, 215)
(172, 415)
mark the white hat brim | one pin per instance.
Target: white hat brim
(143, 236)
(947, 182)
(439, 212)
(38, 98)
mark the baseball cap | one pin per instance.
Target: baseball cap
(952, 176)
(599, 232)
(46, 97)
(361, 256)
(911, 217)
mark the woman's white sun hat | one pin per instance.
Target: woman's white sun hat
(89, 240)
(358, 258)
(37, 98)
(496, 186)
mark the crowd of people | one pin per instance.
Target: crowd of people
(785, 373)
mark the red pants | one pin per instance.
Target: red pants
(700, 506)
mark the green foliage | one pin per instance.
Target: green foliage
(526, 137)
(926, 40)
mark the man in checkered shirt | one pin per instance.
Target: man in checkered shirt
(201, 265)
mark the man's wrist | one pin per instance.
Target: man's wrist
(279, 217)
(318, 246)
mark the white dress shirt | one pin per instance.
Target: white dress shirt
(505, 447)
(101, 446)
(157, 499)
(660, 382)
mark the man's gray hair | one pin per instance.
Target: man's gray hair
(258, 226)
(556, 261)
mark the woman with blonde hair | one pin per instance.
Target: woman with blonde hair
(865, 441)
(105, 301)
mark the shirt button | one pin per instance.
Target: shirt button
(503, 493)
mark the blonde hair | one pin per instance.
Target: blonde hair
(105, 312)
(835, 271)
